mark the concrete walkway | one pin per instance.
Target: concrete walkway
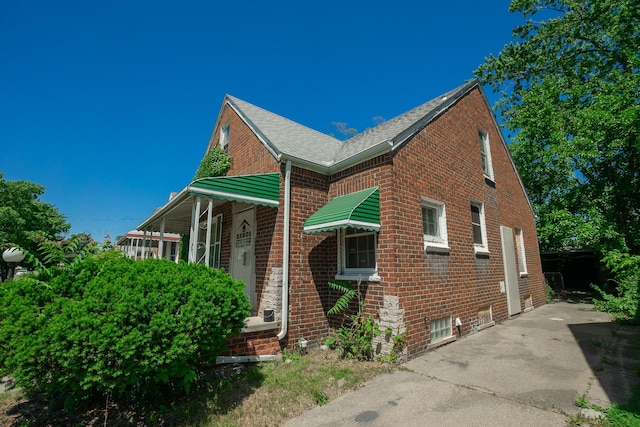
(526, 371)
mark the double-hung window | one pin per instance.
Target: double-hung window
(485, 154)
(479, 228)
(434, 225)
(358, 252)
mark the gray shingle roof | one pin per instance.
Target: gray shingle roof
(285, 136)
(293, 140)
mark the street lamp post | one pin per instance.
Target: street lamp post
(12, 256)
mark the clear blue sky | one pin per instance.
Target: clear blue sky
(110, 104)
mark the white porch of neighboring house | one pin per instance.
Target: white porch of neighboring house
(138, 244)
(190, 212)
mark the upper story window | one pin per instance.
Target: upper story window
(479, 228)
(358, 252)
(485, 154)
(522, 259)
(224, 138)
(434, 225)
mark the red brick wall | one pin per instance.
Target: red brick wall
(249, 155)
(442, 162)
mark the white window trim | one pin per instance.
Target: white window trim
(224, 137)
(345, 273)
(484, 247)
(486, 149)
(522, 255)
(440, 243)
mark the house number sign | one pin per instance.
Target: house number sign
(243, 238)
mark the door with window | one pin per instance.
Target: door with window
(510, 270)
(242, 258)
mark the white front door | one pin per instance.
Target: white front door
(242, 257)
(510, 270)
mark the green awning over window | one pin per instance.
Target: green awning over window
(356, 210)
(261, 189)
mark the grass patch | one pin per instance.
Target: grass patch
(243, 395)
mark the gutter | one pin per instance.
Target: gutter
(285, 253)
(379, 148)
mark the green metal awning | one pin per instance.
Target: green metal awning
(261, 189)
(356, 210)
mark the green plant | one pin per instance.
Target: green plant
(112, 325)
(550, 294)
(320, 397)
(215, 163)
(355, 339)
(289, 355)
(624, 303)
(582, 402)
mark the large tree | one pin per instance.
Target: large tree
(570, 100)
(23, 217)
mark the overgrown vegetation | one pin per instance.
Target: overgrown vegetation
(617, 415)
(624, 303)
(111, 326)
(355, 339)
(215, 163)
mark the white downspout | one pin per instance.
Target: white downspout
(285, 253)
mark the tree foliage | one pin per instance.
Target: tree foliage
(111, 325)
(570, 99)
(215, 163)
(23, 216)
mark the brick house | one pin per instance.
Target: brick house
(426, 210)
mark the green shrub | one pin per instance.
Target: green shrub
(354, 340)
(111, 325)
(624, 304)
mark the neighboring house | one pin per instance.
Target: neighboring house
(138, 244)
(426, 210)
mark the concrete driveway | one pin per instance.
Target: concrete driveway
(526, 371)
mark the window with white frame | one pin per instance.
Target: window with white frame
(522, 258)
(224, 138)
(440, 329)
(479, 228)
(485, 154)
(434, 224)
(358, 252)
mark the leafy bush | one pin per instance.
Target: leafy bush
(624, 305)
(354, 340)
(215, 163)
(112, 325)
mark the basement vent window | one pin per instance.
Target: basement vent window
(440, 329)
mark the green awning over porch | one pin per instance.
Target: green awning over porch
(355, 210)
(261, 189)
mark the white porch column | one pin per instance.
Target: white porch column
(144, 244)
(207, 249)
(193, 233)
(161, 240)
